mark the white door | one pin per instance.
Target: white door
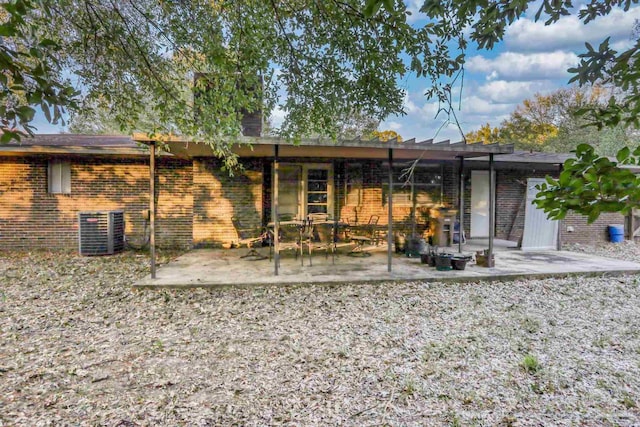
(540, 233)
(480, 204)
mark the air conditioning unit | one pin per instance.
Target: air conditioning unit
(101, 233)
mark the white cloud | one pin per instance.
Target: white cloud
(277, 116)
(414, 6)
(569, 32)
(394, 125)
(475, 105)
(520, 66)
(408, 105)
(501, 91)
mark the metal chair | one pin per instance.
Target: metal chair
(291, 238)
(322, 237)
(251, 237)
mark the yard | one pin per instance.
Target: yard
(78, 346)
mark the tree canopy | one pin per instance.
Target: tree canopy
(551, 123)
(319, 60)
(591, 184)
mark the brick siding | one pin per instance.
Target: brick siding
(197, 200)
(588, 234)
(218, 198)
(510, 210)
(30, 217)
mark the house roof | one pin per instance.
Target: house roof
(264, 147)
(529, 157)
(354, 148)
(251, 147)
(109, 145)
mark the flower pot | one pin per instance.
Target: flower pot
(443, 262)
(413, 247)
(483, 260)
(459, 262)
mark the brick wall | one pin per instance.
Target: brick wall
(197, 200)
(510, 210)
(374, 200)
(30, 217)
(218, 198)
(588, 234)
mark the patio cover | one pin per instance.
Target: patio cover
(353, 148)
(356, 149)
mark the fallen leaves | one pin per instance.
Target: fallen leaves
(78, 346)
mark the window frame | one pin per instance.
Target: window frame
(402, 188)
(58, 176)
(353, 184)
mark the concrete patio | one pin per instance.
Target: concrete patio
(225, 267)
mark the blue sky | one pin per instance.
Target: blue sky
(533, 58)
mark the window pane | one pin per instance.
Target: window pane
(318, 174)
(317, 186)
(55, 184)
(65, 177)
(317, 198)
(317, 209)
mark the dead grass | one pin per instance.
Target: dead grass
(79, 347)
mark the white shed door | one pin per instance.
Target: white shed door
(480, 204)
(540, 233)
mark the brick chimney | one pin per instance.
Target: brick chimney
(251, 122)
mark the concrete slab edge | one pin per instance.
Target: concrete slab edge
(490, 279)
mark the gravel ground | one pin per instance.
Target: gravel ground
(625, 250)
(79, 347)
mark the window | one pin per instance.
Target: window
(427, 185)
(305, 188)
(59, 177)
(317, 191)
(353, 185)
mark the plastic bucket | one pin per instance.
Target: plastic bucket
(616, 233)
(459, 262)
(443, 262)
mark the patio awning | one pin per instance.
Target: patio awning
(355, 148)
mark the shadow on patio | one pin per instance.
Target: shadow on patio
(224, 267)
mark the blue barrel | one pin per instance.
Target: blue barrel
(616, 233)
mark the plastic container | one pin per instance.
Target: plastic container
(459, 263)
(616, 233)
(443, 262)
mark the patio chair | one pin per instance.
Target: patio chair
(369, 230)
(291, 238)
(252, 237)
(322, 237)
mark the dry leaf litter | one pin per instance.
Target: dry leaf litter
(79, 347)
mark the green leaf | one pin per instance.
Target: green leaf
(46, 111)
(371, 8)
(26, 113)
(623, 154)
(7, 136)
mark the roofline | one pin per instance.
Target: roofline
(463, 148)
(70, 149)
